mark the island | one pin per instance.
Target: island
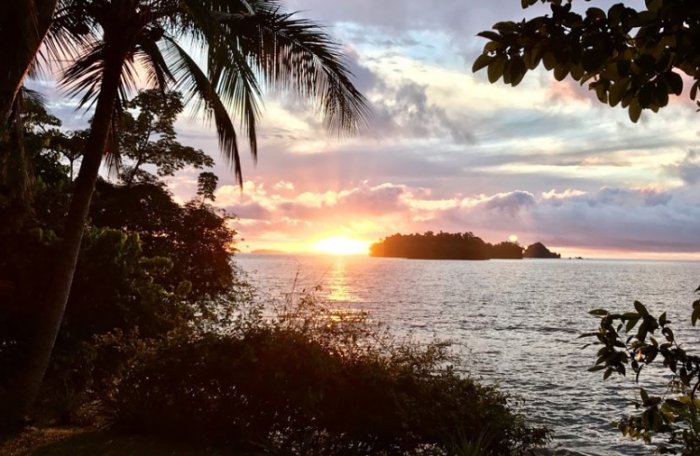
(538, 250)
(453, 246)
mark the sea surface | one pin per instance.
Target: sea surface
(514, 323)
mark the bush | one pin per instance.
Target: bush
(630, 342)
(310, 381)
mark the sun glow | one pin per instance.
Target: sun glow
(341, 245)
(513, 238)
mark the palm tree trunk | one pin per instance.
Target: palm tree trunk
(24, 23)
(39, 351)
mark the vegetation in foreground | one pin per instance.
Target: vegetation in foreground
(104, 49)
(162, 339)
(633, 341)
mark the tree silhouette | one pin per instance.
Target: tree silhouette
(248, 44)
(628, 56)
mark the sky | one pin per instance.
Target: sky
(446, 150)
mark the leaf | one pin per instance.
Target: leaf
(654, 5)
(695, 316)
(639, 307)
(595, 14)
(631, 323)
(506, 26)
(560, 72)
(644, 395)
(668, 332)
(662, 319)
(617, 91)
(599, 312)
(549, 61)
(596, 368)
(517, 71)
(496, 68)
(674, 404)
(674, 81)
(490, 35)
(533, 57)
(482, 61)
(608, 373)
(661, 96)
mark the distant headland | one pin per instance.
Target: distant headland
(454, 246)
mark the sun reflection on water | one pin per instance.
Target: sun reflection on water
(338, 284)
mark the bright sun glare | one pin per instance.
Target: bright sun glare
(341, 245)
(513, 238)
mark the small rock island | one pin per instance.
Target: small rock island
(538, 250)
(454, 246)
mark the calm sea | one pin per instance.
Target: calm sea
(514, 323)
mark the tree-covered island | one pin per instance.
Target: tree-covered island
(454, 246)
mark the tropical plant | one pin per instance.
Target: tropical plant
(629, 56)
(241, 40)
(25, 23)
(148, 137)
(634, 340)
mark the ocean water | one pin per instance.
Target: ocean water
(514, 323)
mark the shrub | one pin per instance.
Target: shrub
(310, 381)
(634, 340)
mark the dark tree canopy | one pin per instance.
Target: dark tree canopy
(630, 57)
(445, 246)
(147, 137)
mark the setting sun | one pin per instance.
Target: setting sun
(341, 245)
(513, 238)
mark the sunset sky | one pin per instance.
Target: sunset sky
(446, 150)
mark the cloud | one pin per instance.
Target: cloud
(511, 203)
(687, 169)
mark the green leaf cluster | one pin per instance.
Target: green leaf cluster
(636, 340)
(635, 58)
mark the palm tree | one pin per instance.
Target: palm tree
(24, 23)
(246, 45)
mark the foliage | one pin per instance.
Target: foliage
(634, 57)
(150, 139)
(146, 266)
(206, 186)
(247, 45)
(635, 340)
(197, 239)
(430, 245)
(450, 246)
(310, 381)
(104, 45)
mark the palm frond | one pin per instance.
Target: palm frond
(233, 78)
(151, 58)
(70, 34)
(196, 85)
(296, 55)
